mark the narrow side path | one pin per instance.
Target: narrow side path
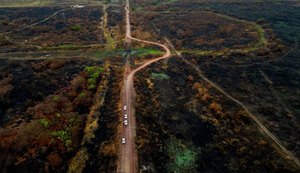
(288, 154)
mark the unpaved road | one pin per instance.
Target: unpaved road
(128, 159)
(285, 152)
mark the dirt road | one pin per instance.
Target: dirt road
(128, 160)
(288, 155)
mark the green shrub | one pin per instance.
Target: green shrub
(62, 135)
(76, 28)
(90, 69)
(93, 74)
(91, 86)
(91, 81)
(68, 143)
(44, 122)
(94, 71)
(56, 98)
(82, 95)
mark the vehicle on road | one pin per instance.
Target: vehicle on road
(125, 108)
(125, 116)
(123, 141)
(125, 122)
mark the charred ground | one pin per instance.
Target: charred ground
(61, 73)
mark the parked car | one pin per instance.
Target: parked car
(123, 141)
(125, 122)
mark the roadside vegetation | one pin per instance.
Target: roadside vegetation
(60, 108)
(54, 131)
(238, 64)
(142, 52)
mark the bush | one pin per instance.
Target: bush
(91, 86)
(82, 95)
(91, 81)
(93, 75)
(44, 122)
(56, 98)
(62, 135)
(94, 71)
(76, 28)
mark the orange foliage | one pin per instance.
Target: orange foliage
(203, 93)
(108, 149)
(215, 107)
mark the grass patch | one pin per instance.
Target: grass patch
(137, 53)
(142, 52)
(110, 42)
(160, 76)
(182, 157)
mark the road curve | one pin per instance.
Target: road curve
(129, 152)
(128, 158)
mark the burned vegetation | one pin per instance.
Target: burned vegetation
(61, 74)
(48, 28)
(48, 121)
(205, 131)
(59, 91)
(185, 125)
